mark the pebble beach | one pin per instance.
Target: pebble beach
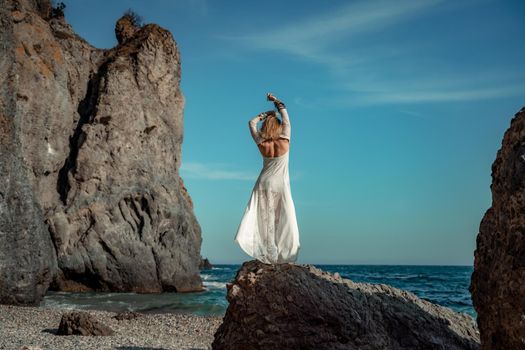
(35, 328)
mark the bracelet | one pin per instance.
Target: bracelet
(279, 104)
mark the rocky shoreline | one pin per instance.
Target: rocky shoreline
(35, 328)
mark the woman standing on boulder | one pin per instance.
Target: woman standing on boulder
(268, 230)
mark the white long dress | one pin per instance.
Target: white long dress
(268, 230)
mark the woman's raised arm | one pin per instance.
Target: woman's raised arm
(252, 124)
(287, 128)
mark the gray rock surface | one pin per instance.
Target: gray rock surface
(498, 281)
(82, 323)
(91, 148)
(205, 264)
(125, 28)
(27, 257)
(289, 306)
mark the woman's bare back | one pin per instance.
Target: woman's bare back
(274, 148)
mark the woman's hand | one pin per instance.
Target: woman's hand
(265, 115)
(271, 97)
(278, 103)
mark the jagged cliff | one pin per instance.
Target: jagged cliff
(90, 140)
(497, 286)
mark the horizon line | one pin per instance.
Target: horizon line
(360, 264)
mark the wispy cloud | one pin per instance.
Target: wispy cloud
(383, 72)
(400, 96)
(214, 172)
(311, 38)
(452, 94)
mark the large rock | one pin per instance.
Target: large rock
(27, 257)
(205, 264)
(82, 323)
(289, 306)
(498, 281)
(91, 146)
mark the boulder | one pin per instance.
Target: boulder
(126, 316)
(90, 192)
(290, 306)
(82, 323)
(125, 28)
(205, 264)
(497, 285)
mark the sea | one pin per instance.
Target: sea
(443, 285)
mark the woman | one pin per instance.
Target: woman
(268, 230)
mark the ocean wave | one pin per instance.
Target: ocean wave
(104, 295)
(66, 306)
(205, 276)
(214, 284)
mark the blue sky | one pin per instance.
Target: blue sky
(398, 109)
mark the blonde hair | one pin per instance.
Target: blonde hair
(271, 128)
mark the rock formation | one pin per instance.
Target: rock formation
(498, 281)
(289, 306)
(205, 264)
(91, 147)
(82, 323)
(27, 258)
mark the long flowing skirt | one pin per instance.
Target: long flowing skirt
(268, 230)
